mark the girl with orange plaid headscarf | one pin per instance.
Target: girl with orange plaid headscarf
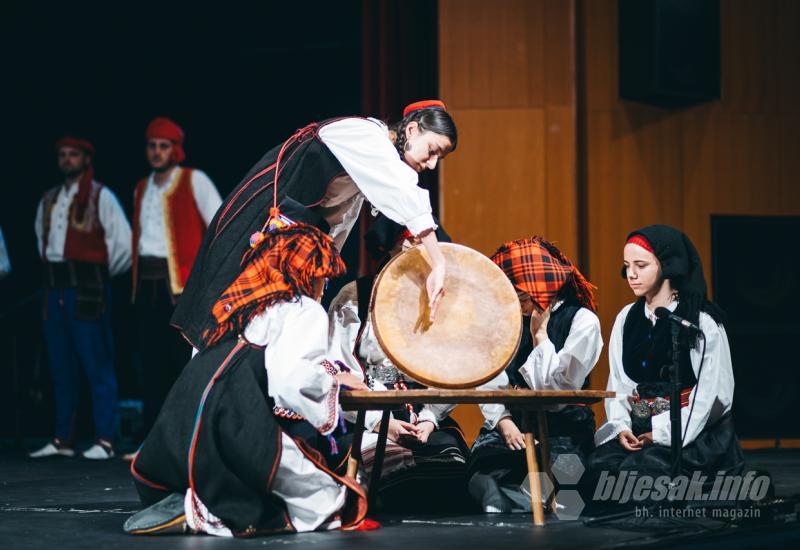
(254, 409)
(558, 352)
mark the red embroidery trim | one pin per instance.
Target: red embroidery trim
(333, 402)
(282, 412)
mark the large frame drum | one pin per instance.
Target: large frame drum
(478, 324)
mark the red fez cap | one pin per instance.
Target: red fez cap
(164, 128)
(76, 143)
(641, 240)
(85, 184)
(425, 104)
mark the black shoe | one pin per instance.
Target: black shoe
(164, 517)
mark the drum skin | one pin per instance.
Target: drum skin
(478, 324)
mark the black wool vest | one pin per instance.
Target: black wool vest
(647, 354)
(306, 169)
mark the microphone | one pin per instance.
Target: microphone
(664, 313)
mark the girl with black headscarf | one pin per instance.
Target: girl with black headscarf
(663, 269)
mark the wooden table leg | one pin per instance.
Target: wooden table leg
(533, 471)
(377, 464)
(544, 445)
(355, 449)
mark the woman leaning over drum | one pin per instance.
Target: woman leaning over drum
(321, 176)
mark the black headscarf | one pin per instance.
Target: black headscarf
(383, 234)
(680, 263)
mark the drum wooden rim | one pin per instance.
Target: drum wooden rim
(497, 277)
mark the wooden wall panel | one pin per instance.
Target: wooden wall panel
(488, 194)
(491, 53)
(733, 167)
(560, 186)
(646, 165)
(598, 35)
(749, 77)
(507, 73)
(559, 53)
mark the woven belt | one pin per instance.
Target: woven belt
(71, 274)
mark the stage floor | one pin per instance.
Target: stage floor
(74, 503)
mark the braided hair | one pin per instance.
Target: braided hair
(429, 120)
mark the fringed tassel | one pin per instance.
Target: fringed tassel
(584, 290)
(239, 320)
(277, 220)
(334, 447)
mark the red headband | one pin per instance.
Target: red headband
(425, 104)
(640, 240)
(76, 143)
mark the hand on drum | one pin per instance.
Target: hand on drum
(435, 287)
(435, 282)
(511, 434)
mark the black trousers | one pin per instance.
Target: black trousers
(162, 350)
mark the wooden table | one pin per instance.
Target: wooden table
(527, 401)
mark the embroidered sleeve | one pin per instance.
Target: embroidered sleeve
(329, 367)
(295, 357)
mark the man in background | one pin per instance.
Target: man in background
(84, 239)
(172, 209)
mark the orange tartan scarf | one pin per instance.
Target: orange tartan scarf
(282, 267)
(538, 268)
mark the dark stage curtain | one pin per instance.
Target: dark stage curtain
(400, 55)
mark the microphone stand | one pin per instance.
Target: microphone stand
(676, 446)
(675, 403)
